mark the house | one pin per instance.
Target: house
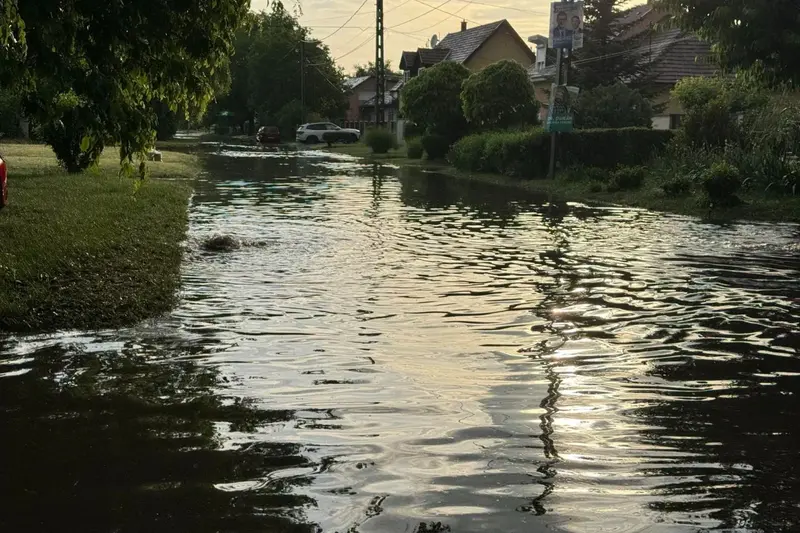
(391, 105)
(670, 55)
(475, 48)
(360, 90)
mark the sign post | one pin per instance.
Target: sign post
(566, 35)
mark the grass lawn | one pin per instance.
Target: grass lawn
(87, 251)
(362, 150)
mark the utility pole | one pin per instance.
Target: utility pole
(561, 78)
(380, 73)
(302, 81)
(551, 173)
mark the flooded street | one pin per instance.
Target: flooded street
(390, 347)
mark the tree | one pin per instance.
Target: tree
(746, 34)
(369, 69)
(612, 106)
(432, 99)
(604, 58)
(265, 72)
(90, 73)
(500, 96)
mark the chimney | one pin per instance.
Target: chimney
(463, 25)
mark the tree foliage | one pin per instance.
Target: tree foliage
(612, 106)
(432, 99)
(369, 69)
(500, 96)
(265, 72)
(755, 32)
(606, 59)
(90, 70)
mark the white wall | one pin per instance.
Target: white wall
(661, 122)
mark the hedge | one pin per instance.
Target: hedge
(526, 154)
(610, 148)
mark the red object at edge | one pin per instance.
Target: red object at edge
(3, 183)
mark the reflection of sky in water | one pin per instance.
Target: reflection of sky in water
(431, 349)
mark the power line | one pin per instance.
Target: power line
(346, 22)
(438, 8)
(656, 48)
(422, 15)
(354, 49)
(505, 7)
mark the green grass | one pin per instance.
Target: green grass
(88, 251)
(362, 150)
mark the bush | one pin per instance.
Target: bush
(612, 106)
(627, 178)
(520, 154)
(678, 187)
(721, 182)
(432, 99)
(527, 153)
(500, 97)
(609, 148)
(414, 149)
(331, 137)
(468, 153)
(436, 146)
(380, 140)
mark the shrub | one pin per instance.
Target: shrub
(678, 186)
(436, 146)
(380, 140)
(596, 174)
(499, 97)
(520, 154)
(721, 182)
(331, 137)
(627, 178)
(468, 153)
(414, 149)
(609, 148)
(432, 99)
(612, 106)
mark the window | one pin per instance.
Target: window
(332, 127)
(675, 121)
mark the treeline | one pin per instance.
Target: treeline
(265, 76)
(128, 73)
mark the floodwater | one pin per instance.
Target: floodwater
(391, 347)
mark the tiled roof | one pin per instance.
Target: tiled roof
(677, 55)
(352, 83)
(431, 56)
(463, 44)
(397, 86)
(407, 60)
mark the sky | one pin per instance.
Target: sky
(355, 44)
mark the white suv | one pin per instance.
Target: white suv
(314, 133)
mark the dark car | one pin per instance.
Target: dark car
(268, 134)
(3, 183)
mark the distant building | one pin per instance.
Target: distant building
(670, 55)
(475, 48)
(360, 90)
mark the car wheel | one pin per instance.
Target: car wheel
(311, 139)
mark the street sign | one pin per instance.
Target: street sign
(566, 25)
(559, 116)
